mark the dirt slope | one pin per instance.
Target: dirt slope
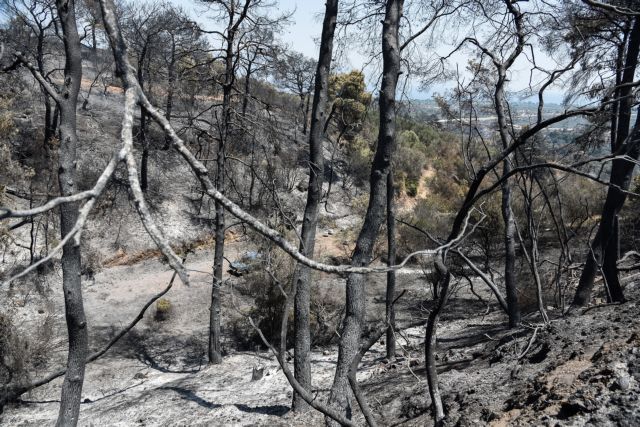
(580, 370)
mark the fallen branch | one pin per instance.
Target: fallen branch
(306, 395)
(533, 338)
(593, 307)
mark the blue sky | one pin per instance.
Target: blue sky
(305, 28)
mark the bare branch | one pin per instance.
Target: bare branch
(39, 77)
(612, 8)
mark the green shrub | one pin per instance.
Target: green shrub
(163, 309)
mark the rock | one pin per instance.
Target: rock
(623, 383)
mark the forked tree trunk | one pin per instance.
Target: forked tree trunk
(224, 125)
(375, 215)
(302, 275)
(604, 249)
(621, 177)
(507, 213)
(215, 353)
(71, 261)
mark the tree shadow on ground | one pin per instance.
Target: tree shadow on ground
(192, 397)
(470, 337)
(276, 410)
(161, 352)
(84, 401)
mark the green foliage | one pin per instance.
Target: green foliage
(422, 146)
(411, 186)
(350, 102)
(429, 137)
(409, 162)
(409, 139)
(163, 309)
(630, 217)
(359, 154)
(448, 183)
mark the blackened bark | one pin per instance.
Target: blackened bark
(510, 250)
(170, 88)
(215, 354)
(94, 45)
(430, 340)
(506, 139)
(391, 275)
(224, 124)
(374, 218)
(302, 275)
(144, 160)
(507, 213)
(605, 246)
(247, 89)
(305, 122)
(626, 99)
(142, 132)
(621, 177)
(252, 180)
(50, 116)
(71, 260)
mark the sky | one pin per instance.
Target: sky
(307, 26)
(304, 31)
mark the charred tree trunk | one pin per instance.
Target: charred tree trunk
(391, 275)
(50, 108)
(215, 353)
(171, 82)
(621, 176)
(71, 260)
(224, 124)
(604, 249)
(430, 340)
(252, 179)
(302, 276)
(305, 121)
(507, 213)
(374, 218)
(247, 89)
(510, 250)
(142, 132)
